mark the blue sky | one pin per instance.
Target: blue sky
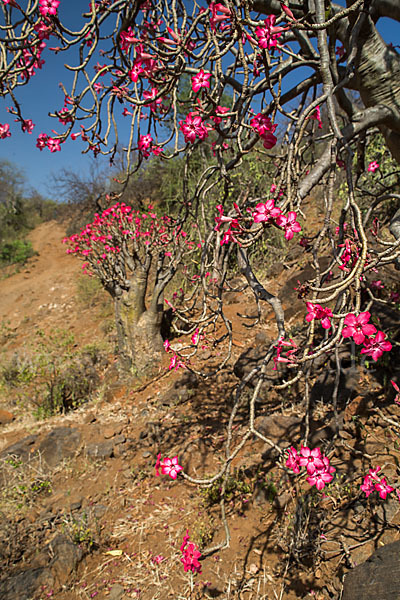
(43, 95)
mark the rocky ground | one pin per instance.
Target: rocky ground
(82, 514)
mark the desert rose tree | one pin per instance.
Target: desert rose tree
(135, 255)
(310, 86)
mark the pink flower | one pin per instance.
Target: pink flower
(311, 459)
(373, 473)
(48, 7)
(169, 466)
(53, 144)
(268, 35)
(27, 125)
(266, 211)
(167, 345)
(127, 39)
(5, 131)
(144, 144)
(373, 166)
(315, 311)
(358, 327)
(191, 555)
(383, 488)
(136, 70)
(377, 285)
(375, 347)
(316, 116)
(293, 459)
(41, 141)
(289, 223)
(215, 17)
(319, 479)
(175, 363)
(158, 559)
(201, 80)
(193, 127)
(367, 485)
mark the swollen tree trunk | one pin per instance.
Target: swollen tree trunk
(140, 344)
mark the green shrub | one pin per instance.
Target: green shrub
(16, 252)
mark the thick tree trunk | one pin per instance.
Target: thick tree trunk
(140, 345)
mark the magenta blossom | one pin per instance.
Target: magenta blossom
(266, 211)
(358, 327)
(373, 166)
(168, 466)
(201, 80)
(315, 311)
(268, 35)
(289, 223)
(5, 131)
(193, 127)
(191, 555)
(375, 347)
(293, 459)
(383, 488)
(319, 479)
(367, 485)
(311, 459)
(48, 7)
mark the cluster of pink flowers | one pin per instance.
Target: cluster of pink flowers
(315, 311)
(358, 328)
(168, 466)
(317, 465)
(45, 141)
(31, 60)
(100, 241)
(373, 482)
(193, 127)
(146, 146)
(289, 358)
(269, 34)
(218, 19)
(265, 129)
(175, 362)
(349, 255)
(265, 212)
(190, 555)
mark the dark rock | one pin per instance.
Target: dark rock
(253, 357)
(54, 566)
(187, 379)
(24, 584)
(378, 577)
(324, 386)
(119, 439)
(61, 443)
(66, 556)
(175, 396)
(22, 449)
(100, 450)
(279, 428)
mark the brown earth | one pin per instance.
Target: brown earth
(88, 476)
